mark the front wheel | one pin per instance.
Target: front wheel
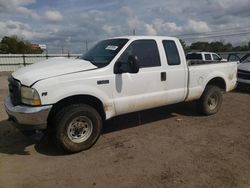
(78, 127)
(211, 100)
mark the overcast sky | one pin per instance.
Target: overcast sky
(69, 23)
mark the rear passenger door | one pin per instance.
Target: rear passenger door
(142, 90)
(176, 72)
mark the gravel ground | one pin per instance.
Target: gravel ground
(171, 146)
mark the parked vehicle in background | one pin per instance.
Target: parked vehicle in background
(70, 98)
(244, 72)
(233, 57)
(204, 56)
(237, 57)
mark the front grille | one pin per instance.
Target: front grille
(244, 74)
(14, 91)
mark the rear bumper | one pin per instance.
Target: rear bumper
(26, 117)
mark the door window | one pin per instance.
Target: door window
(216, 57)
(208, 57)
(233, 57)
(171, 52)
(146, 52)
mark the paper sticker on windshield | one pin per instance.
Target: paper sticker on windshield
(111, 47)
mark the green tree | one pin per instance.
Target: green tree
(200, 46)
(15, 45)
(228, 47)
(217, 46)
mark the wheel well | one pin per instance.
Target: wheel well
(86, 99)
(219, 82)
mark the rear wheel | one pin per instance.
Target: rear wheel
(78, 127)
(211, 100)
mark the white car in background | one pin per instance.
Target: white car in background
(204, 56)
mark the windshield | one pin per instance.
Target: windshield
(104, 51)
(245, 59)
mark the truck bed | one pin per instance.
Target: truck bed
(201, 73)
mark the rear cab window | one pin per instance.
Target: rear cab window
(171, 51)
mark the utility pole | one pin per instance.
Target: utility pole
(134, 32)
(62, 50)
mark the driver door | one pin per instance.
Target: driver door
(142, 90)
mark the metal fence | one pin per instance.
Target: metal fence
(12, 62)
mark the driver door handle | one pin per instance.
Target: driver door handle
(163, 76)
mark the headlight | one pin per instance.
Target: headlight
(30, 96)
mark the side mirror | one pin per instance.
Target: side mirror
(118, 68)
(133, 64)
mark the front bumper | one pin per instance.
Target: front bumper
(26, 117)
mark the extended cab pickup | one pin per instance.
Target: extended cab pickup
(204, 56)
(72, 97)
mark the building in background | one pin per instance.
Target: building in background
(42, 47)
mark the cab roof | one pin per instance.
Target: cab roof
(146, 37)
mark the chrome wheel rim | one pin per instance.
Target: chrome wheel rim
(213, 101)
(80, 129)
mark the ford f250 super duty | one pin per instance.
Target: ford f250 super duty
(72, 97)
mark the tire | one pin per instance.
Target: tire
(28, 133)
(78, 127)
(210, 101)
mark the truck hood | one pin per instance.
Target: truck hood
(244, 66)
(50, 68)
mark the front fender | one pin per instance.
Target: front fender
(57, 91)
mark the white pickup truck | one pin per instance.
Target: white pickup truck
(204, 56)
(72, 97)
